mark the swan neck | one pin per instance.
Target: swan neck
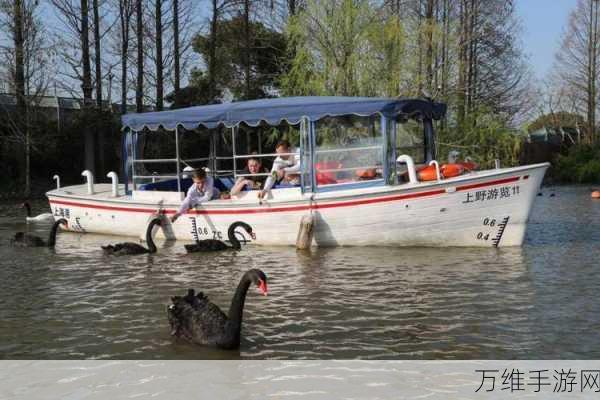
(149, 240)
(235, 243)
(52, 237)
(236, 310)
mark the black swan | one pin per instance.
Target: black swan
(27, 240)
(130, 248)
(217, 245)
(196, 319)
(45, 217)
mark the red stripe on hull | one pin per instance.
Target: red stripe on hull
(294, 208)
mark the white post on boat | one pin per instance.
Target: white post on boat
(57, 179)
(90, 180)
(305, 232)
(115, 183)
(497, 163)
(410, 164)
(177, 157)
(437, 169)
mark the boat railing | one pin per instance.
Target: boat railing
(348, 149)
(258, 174)
(154, 176)
(263, 155)
(350, 168)
(245, 156)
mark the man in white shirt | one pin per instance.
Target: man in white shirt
(285, 167)
(202, 190)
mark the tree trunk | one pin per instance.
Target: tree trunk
(159, 57)
(85, 54)
(472, 57)
(445, 67)
(124, 20)
(429, 50)
(462, 61)
(97, 53)
(420, 52)
(177, 81)
(89, 142)
(592, 72)
(213, 51)
(247, 45)
(159, 60)
(22, 117)
(139, 91)
(98, 120)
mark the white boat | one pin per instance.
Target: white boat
(358, 179)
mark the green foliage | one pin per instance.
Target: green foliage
(336, 48)
(580, 165)
(267, 53)
(484, 137)
(195, 94)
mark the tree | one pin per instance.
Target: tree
(228, 58)
(332, 46)
(25, 54)
(176, 50)
(159, 55)
(139, 91)
(577, 62)
(74, 16)
(126, 11)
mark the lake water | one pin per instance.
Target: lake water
(540, 301)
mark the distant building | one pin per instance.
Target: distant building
(564, 135)
(59, 109)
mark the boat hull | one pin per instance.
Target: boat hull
(483, 209)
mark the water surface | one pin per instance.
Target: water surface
(538, 301)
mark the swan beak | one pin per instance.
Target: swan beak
(253, 236)
(262, 286)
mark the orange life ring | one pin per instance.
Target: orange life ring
(427, 173)
(469, 166)
(596, 194)
(452, 170)
(328, 177)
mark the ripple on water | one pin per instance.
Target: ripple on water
(373, 303)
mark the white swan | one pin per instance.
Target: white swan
(45, 217)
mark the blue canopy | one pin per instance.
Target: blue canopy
(274, 111)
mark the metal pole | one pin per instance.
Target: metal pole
(134, 139)
(386, 161)
(177, 158)
(233, 129)
(259, 142)
(313, 148)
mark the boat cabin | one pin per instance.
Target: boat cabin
(341, 142)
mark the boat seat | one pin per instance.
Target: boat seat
(223, 183)
(166, 186)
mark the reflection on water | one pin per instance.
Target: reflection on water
(539, 301)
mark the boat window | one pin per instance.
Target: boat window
(259, 143)
(349, 149)
(154, 161)
(409, 140)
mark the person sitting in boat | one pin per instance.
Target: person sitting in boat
(253, 166)
(285, 169)
(202, 190)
